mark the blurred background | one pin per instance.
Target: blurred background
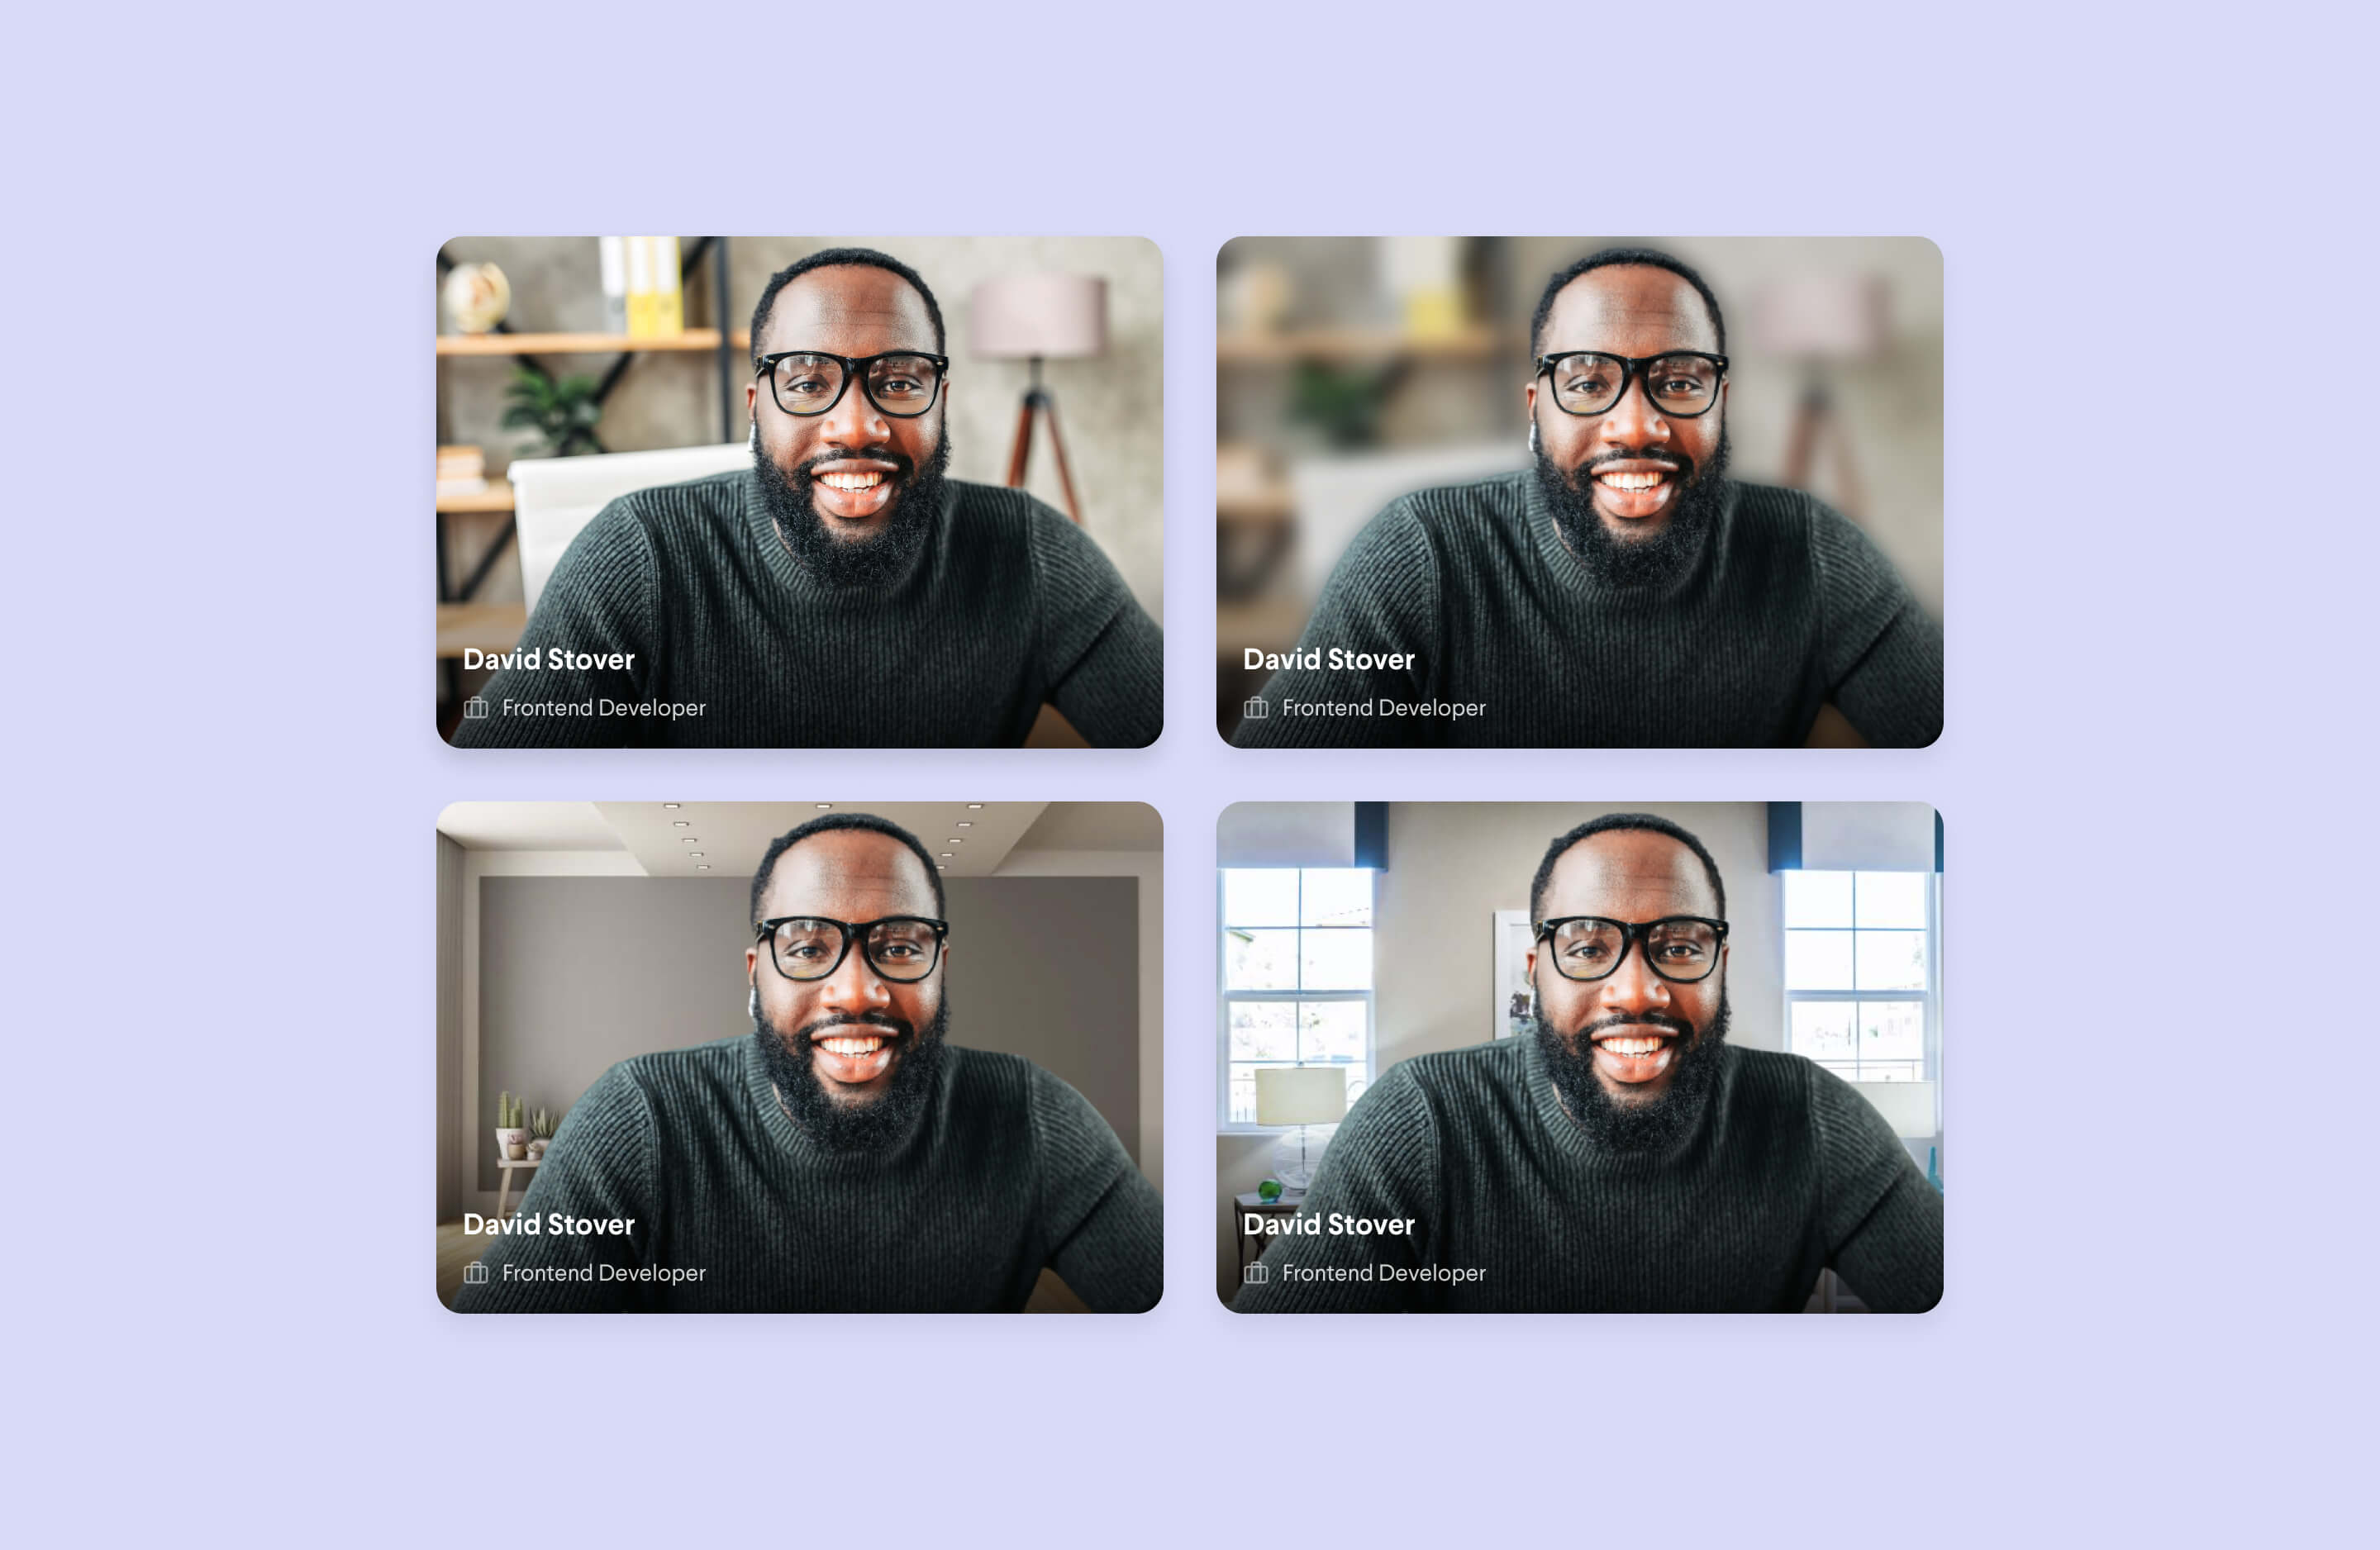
(540, 358)
(1351, 370)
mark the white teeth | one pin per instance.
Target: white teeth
(852, 1046)
(1632, 1045)
(1630, 481)
(852, 481)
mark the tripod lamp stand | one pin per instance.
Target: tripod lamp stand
(1037, 318)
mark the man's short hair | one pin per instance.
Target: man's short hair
(830, 258)
(829, 821)
(1605, 258)
(1605, 824)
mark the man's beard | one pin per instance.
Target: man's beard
(876, 560)
(1618, 561)
(1652, 1125)
(876, 1124)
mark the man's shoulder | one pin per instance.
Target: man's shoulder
(1473, 512)
(671, 518)
(990, 1078)
(996, 513)
(664, 1076)
(1457, 1083)
(1776, 518)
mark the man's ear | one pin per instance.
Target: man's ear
(1529, 967)
(752, 965)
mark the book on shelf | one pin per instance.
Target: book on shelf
(656, 304)
(611, 257)
(639, 304)
(462, 470)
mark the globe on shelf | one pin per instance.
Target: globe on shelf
(476, 296)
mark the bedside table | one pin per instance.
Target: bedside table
(1244, 1205)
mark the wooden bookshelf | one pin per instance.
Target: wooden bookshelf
(572, 344)
(1360, 343)
(489, 627)
(497, 496)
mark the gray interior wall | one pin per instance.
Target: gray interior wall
(450, 1030)
(576, 974)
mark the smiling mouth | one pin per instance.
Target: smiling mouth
(867, 480)
(1634, 1056)
(853, 1059)
(1632, 481)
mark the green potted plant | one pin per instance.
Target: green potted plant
(541, 1126)
(562, 410)
(512, 1136)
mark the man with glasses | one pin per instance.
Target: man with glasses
(1624, 593)
(1624, 1158)
(842, 1157)
(843, 593)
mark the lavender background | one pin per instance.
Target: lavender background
(224, 778)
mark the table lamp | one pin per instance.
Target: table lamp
(1303, 1097)
(1039, 317)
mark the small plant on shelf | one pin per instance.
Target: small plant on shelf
(562, 410)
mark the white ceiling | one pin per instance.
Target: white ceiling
(528, 826)
(732, 836)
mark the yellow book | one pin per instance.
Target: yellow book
(669, 296)
(641, 298)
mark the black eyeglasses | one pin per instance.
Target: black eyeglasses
(1683, 382)
(904, 383)
(903, 948)
(1683, 947)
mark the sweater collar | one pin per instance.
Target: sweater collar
(804, 1150)
(1571, 1139)
(778, 560)
(1574, 577)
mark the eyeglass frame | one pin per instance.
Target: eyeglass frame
(852, 931)
(1631, 933)
(1630, 372)
(766, 365)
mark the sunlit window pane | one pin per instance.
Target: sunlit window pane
(1822, 1030)
(1892, 899)
(1818, 961)
(1259, 960)
(1818, 899)
(1336, 960)
(1263, 1030)
(1332, 1033)
(1890, 959)
(1892, 1031)
(1259, 896)
(1338, 896)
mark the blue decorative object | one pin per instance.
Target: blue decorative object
(1270, 1190)
(1934, 1168)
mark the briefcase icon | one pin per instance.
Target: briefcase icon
(1258, 1274)
(475, 709)
(1255, 709)
(475, 1274)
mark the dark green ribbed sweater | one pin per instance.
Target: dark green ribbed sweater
(1010, 1170)
(1008, 606)
(1789, 1171)
(1788, 606)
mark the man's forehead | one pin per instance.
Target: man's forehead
(832, 870)
(853, 309)
(1634, 310)
(1629, 874)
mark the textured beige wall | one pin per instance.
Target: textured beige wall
(1111, 408)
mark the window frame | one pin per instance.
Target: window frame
(1225, 996)
(1930, 1065)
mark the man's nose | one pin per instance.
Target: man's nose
(855, 421)
(1633, 423)
(855, 985)
(1634, 987)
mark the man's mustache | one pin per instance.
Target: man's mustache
(899, 1027)
(1677, 1025)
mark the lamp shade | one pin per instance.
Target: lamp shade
(1907, 1107)
(1302, 1096)
(1821, 316)
(1051, 315)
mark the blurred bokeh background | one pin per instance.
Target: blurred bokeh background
(1350, 370)
(670, 392)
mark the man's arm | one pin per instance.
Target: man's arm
(1880, 654)
(1381, 600)
(1102, 655)
(1103, 1218)
(1382, 1168)
(600, 1166)
(599, 601)
(1881, 1219)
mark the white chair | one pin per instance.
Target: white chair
(555, 497)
